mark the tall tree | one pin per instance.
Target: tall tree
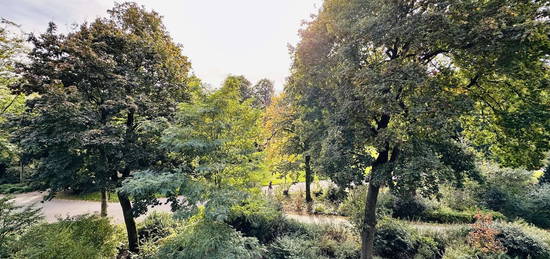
(100, 88)
(263, 92)
(289, 139)
(401, 84)
(11, 104)
(213, 142)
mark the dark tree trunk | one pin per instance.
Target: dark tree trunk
(103, 203)
(309, 178)
(129, 222)
(369, 224)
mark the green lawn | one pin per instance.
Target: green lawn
(93, 196)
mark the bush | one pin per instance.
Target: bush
(520, 243)
(408, 208)
(394, 240)
(449, 216)
(334, 194)
(259, 218)
(13, 188)
(201, 238)
(156, 226)
(78, 237)
(326, 241)
(14, 220)
(536, 206)
(294, 247)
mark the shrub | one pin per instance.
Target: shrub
(408, 208)
(446, 215)
(326, 241)
(449, 216)
(521, 243)
(78, 237)
(291, 246)
(536, 206)
(505, 188)
(394, 240)
(334, 194)
(201, 238)
(483, 237)
(14, 220)
(459, 250)
(259, 218)
(14, 188)
(155, 226)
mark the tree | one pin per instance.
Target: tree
(218, 135)
(213, 142)
(11, 104)
(403, 85)
(289, 140)
(101, 88)
(263, 92)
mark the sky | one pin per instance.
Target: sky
(221, 37)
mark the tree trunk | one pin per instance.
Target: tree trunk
(22, 172)
(103, 203)
(369, 224)
(129, 222)
(309, 178)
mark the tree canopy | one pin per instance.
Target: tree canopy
(403, 85)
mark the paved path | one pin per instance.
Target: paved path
(56, 208)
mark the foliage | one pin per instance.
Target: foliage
(16, 188)
(521, 243)
(394, 239)
(14, 220)
(483, 237)
(408, 208)
(354, 205)
(546, 175)
(79, 237)
(535, 206)
(217, 137)
(201, 238)
(399, 86)
(263, 93)
(215, 201)
(106, 91)
(450, 216)
(260, 218)
(325, 241)
(156, 226)
(504, 188)
(12, 104)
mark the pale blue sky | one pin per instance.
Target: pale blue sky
(221, 37)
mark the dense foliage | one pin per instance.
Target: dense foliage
(431, 117)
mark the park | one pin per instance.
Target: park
(401, 130)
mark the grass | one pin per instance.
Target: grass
(14, 188)
(277, 179)
(93, 196)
